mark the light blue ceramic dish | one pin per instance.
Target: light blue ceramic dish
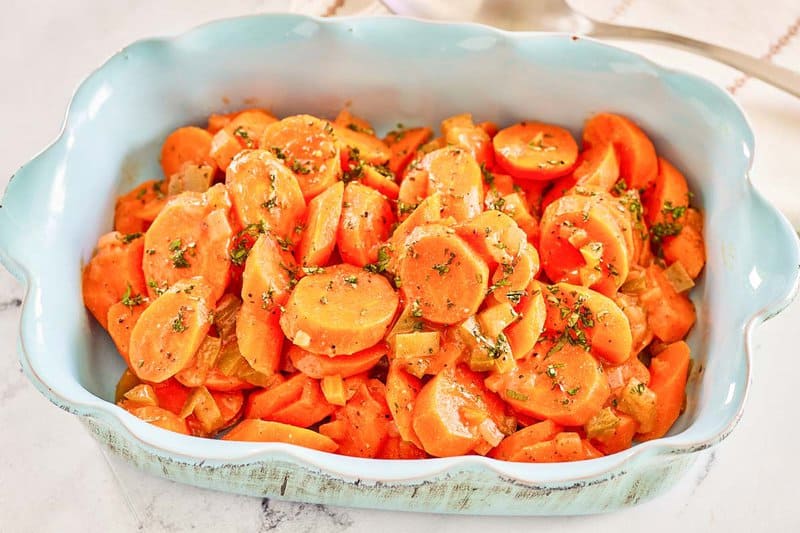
(393, 70)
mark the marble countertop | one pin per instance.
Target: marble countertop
(54, 477)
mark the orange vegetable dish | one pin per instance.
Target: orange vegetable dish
(490, 291)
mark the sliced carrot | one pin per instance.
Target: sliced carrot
(510, 280)
(635, 152)
(581, 316)
(217, 121)
(308, 409)
(449, 410)
(489, 127)
(401, 392)
(366, 223)
(190, 237)
(241, 133)
(455, 174)
(319, 366)
(361, 427)
(533, 434)
(495, 236)
(669, 371)
(495, 187)
(668, 192)
(345, 119)
(263, 191)
(136, 210)
(687, 247)
(403, 145)
(265, 402)
(442, 274)
(597, 168)
(397, 448)
(269, 275)
(620, 438)
(341, 310)
(564, 447)
(218, 381)
(380, 180)
(450, 353)
(260, 338)
(516, 207)
(669, 314)
(524, 333)
(171, 395)
(429, 210)
(562, 186)
(114, 274)
(365, 146)
(161, 417)
(564, 383)
(535, 151)
(319, 237)
(186, 145)
(583, 242)
(413, 190)
(308, 147)
(460, 131)
(170, 330)
(264, 431)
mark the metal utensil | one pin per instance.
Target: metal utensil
(558, 15)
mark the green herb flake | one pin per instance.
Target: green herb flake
(178, 325)
(382, 262)
(131, 300)
(312, 270)
(129, 237)
(514, 395)
(244, 136)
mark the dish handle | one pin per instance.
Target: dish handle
(775, 273)
(23, 211)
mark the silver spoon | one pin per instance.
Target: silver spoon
(557, 15)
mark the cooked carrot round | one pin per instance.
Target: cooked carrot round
(170, 330)
(583, 242)
(536, 151)
(560, 382)
(635, 152)
(264, 191)
(186, 145)
(339, 311)
(319, 236)
(252, 430)
(586, 317)
(319, 366)
(307, 146)
(269, 274)
(113, 274)
(189, 237)
(366, 223)
(440, 272)
(455, 174)
(454, 412)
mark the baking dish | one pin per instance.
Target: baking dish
(392, 70)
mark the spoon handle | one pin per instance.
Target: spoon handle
(782, 78)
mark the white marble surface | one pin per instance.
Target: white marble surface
(53, 477)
